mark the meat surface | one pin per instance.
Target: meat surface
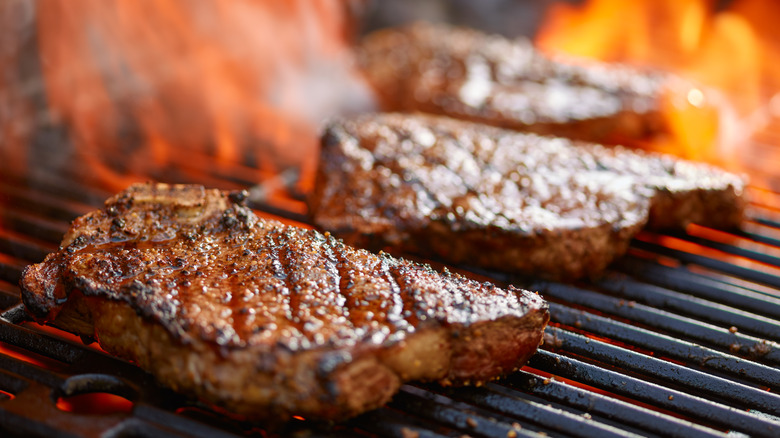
(269, 320)
(466, 74)
(479, 195)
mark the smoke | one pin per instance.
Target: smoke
(137, 84)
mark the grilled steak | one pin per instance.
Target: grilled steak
(466, 74)
(475, 194)
(270, 320)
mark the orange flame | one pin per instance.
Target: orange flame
(142, 84)
(15, 112)
(733, 50)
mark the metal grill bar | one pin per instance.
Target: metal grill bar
(767, 222)
(536, 412)
(670, 373)
(11, 268)
(391, 423)
(705, 310)
(699, 408)
(57, 186)
(464, 418)
(41, 234)
(39, 343)
(42, 203)
(33, 225)
(667, 346)
(629, 310)
(593, 403)
(728, 249)
(23, 247)
(31, 372)
(718, 265)
(679, 325)
(167, 423)
(759, 238)
(9, 296)
(681, 279)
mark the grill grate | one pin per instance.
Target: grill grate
(676, 340)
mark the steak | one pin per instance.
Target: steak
(269, 320)
(483, 196)
(466, 74)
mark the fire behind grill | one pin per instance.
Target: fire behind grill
(680, 338)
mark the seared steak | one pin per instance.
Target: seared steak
(466, 74)
(270, 320)
(475, 194)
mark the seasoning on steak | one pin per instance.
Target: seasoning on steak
(270, 320)
(466, 74)
(474, 194)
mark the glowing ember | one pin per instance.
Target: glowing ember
(732, 50)
(60, 334)
(95, 403)
(713, 252)
(15, 352)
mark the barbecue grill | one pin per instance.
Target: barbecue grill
(679, 338)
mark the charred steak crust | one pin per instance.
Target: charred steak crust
(270, 320)
(469, 75)
(474, 194)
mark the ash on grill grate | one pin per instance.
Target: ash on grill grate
(671, 342)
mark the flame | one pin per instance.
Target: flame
(15, 112)
(731, 50)
(144, 85)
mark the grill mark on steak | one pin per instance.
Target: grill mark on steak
(410, 295)
(268, 320)
(395, 310)
(285, 264)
